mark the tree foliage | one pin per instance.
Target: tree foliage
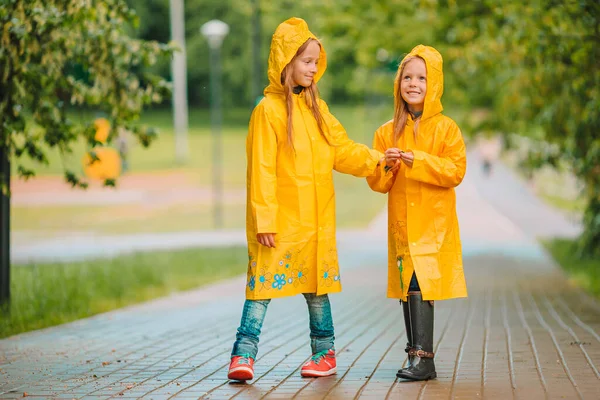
(535, 65)
(56, 56)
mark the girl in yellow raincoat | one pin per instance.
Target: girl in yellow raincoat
(293, 146)
(428, 155)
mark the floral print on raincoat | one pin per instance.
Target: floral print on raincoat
(290, 192)
(423, 232)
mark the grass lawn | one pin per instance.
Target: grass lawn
(584, 273)
(52, 294)
(357, 205)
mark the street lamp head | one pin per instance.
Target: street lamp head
(215, 31)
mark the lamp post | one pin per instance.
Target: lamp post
(179, 73)
(215, 31)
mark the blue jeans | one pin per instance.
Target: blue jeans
(321, 325)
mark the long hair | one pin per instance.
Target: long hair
(401, 108)
(311, 94)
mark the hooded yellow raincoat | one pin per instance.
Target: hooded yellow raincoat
(290, 191)
(423, 233)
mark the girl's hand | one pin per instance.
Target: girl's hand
(392, 155)
(407, 158)
(266, 239)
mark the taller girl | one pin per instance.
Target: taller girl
(424, 249)
(293, 146)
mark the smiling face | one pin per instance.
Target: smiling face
(413, 85)
(305, 65)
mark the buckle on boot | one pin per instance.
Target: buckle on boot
(408, 347)
(420, 353)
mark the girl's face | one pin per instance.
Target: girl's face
(413, 85)
(305, 66)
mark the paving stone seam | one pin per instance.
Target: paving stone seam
(558, 319)
(578, 321)
(559, 351)
(362, 388)
(532, 345)
(507, 331)
(183, 339)
(359, 356)
(461, 347)
(486, 337)
(89, 374)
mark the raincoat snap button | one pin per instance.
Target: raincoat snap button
(412, 204)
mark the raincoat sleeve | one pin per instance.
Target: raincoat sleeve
(350, 157)
(262, 184)
(447, 170)
(383, 180)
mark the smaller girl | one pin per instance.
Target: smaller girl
(428, 158)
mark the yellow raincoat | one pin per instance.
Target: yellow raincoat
(423, 233)
(291, 193)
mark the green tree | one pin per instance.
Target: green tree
(57, 56)
(535, 65)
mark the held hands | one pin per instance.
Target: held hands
(393, 156)
(266, 239)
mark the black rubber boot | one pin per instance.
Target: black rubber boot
(422, 366)
(409, 345)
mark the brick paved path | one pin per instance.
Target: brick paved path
(523, 333)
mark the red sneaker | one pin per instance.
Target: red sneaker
(320, 364)
(241, 368)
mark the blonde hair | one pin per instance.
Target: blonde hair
(401, 108)
(311, 94)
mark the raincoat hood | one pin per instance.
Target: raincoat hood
(289, 36)
(435, 79)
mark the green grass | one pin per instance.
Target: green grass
(583, 273)
(573, 206)
(52, 294)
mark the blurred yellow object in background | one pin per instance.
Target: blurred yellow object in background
(102, 129)
(106, 166)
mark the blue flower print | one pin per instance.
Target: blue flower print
(279, 281)
(252, 282)
(290, 280)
